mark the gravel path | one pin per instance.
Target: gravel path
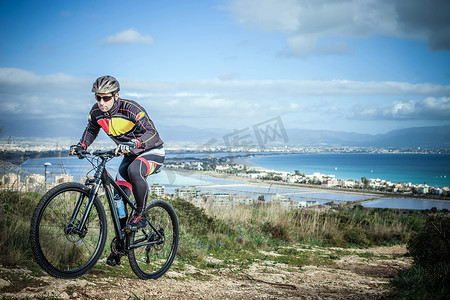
(351, 276)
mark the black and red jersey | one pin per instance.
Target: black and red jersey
(125, 121)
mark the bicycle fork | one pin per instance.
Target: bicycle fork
(81, 228)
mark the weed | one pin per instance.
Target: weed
(15, 214)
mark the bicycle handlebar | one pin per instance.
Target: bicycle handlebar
(111, 152)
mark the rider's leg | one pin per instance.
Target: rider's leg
(145, 164)
(122, 176)
(124, 182)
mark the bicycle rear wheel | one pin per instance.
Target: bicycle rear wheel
(59, 248)
(151, 261)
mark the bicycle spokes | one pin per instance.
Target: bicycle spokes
(154, 248)
(61, 245)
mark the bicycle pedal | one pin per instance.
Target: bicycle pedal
(130, 229)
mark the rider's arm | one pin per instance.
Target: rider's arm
(148, 136)
(90, 133)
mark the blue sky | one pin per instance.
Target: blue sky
(361, 66)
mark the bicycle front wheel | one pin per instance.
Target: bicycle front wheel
(156, 245)
(60, 247)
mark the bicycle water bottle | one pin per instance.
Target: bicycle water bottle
(120, 206)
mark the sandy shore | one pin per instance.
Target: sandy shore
(373, 195)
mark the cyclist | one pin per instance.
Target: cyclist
(125, 121)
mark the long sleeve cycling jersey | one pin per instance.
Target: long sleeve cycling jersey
(126, 120)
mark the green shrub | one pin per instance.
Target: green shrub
(413, 222)
(356, 236)
(196, 221)
(276, 231)
(430, 248)
(335, 238)
(429, 277)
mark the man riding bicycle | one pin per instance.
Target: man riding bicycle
(129, 126)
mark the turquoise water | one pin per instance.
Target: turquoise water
(434, 169)
(346, 163)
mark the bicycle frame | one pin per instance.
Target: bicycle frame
(68, 230)
(103, 178)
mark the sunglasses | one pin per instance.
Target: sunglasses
(104, 98)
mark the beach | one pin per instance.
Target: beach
(174, 177)
(226, 183)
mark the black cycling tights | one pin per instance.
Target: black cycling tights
(133, 172)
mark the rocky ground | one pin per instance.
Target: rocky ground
(354, 274)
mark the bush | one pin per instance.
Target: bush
(356, 236)
(196, 221)
(430, 248)
(277, 231)
(429, 277)
(335, 238)
(413, 222)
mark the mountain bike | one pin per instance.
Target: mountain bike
(69, 227)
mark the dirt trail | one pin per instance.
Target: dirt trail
(351, 276)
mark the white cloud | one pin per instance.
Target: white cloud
(268, 15)
(228, 104)
(308, 23)
(25, 80)
(430, 108)
(272, 88)
(128, 36)
(25, 93)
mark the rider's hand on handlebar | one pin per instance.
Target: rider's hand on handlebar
(125, 148)
(75, 149)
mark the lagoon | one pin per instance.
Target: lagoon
(233, 185)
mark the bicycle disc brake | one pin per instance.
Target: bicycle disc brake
(72, 232)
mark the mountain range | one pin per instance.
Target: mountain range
(424, 137)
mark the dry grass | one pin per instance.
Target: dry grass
(343, 227)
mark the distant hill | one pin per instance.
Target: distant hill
(425, 137)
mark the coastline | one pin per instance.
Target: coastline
(387, 173)
(376, 194)
(264, 184)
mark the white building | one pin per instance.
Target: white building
(187, 192)
(348, 183)
(220, 200)
(283, 201)
(157, 189)
(63, 178)
(306, 203)
(330, 182)
(10, 180)
(241, 199)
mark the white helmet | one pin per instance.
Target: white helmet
(105, 84)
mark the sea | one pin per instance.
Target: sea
(434, 169)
